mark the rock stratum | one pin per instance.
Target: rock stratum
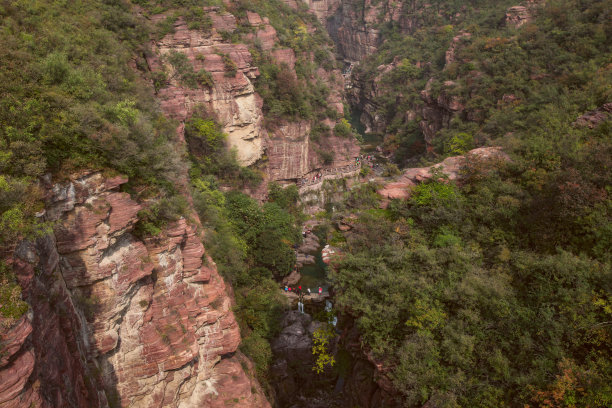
(116, 320)
(232, 99)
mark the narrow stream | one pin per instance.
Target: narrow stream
(314, 275)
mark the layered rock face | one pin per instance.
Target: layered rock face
(353, 24)
(117, 320)
(352, 27)
(295, 382)
(232, 97)
(433, 114)
(517, 16)
(233, 100)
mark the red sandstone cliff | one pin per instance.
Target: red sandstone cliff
(233, 100)
(119, 321)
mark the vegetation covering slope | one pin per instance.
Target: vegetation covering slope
(496, 291)
(71, 100)
(508, 79)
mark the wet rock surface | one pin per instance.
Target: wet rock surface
(293, 377)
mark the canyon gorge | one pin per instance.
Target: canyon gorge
(121, 302)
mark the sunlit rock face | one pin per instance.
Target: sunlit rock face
(231, 98)
(451, 167)
(117, 319)
(233, 101)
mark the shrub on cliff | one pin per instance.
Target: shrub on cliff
(153, 219)
(12, 306)
(343, 128)
(58, 93)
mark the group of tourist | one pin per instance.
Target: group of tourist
(300, 293)
(298, 290)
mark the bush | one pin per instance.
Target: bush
(153, 219)
(12, 306)
(343, 128)
(231, 69)
(327, 156)
(205, 78)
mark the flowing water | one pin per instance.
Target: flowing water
(314, 275)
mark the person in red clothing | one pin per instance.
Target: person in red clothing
(320, 290)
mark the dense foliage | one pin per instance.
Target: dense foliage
(552, 68)
(474, 302)
(11, 305)
(70, 100)
(288, 93)
(496, 291)
(251, 245)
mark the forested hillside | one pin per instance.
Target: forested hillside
(157, 158)
(494, 289)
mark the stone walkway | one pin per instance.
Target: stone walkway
(314, 297)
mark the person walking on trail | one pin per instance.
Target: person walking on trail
(320, 290)
(309, 291)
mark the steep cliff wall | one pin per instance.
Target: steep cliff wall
(117, 320)
(355, 26)
(231, 96)
(121, 320)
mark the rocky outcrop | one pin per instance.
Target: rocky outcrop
(433, 113)
(232, 96)
(118, 320)
(305, 252)
(450, 167)
(354, 25)
(517, 16)
(449, 56)
(593, 118)
(293, 377)
(437, 112)
(367, 383)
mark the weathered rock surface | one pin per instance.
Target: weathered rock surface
(593, 118)
(366, 384)
(235, 104)
(293, 278)
(232, 98)
(117, 319)
(433, 113)
(516, 16)
(451, 167)
(327, 253)
(292, 369)
(354, 26)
